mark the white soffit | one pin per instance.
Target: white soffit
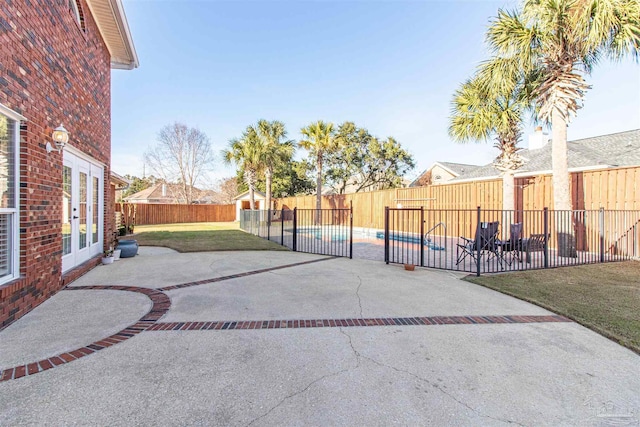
(112, 23)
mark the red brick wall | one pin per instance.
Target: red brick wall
(51, 71)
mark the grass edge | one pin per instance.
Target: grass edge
(582, 322)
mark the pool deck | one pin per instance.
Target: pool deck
(282, 338)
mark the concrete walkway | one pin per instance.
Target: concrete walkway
(279, 338)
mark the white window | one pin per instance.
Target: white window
(74, 7)
(9, 194)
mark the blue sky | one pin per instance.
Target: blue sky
(388, 66)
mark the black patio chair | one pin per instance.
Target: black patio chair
(535, 243)
(514, 245)
(486, 240)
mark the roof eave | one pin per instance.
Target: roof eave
(115, 18)
(116, 65)
(451, 171)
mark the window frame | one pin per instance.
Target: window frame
(18, 119)
(76, 10)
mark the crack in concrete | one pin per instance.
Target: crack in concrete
(434, 385)
(358, 295)
(317, 380)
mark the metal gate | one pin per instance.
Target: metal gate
(416, 236)
(315, 231)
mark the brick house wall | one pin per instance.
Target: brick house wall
(52, 70)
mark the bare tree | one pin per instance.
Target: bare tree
(228, 189)
(180, 156)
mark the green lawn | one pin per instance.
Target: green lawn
(603, 297)
(202, 237)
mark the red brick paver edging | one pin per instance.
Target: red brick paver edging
(161, 304)
(352, 322)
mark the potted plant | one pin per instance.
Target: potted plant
(107, 257)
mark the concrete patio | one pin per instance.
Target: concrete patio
(279, 338)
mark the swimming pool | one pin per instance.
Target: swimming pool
(336, 233)
(341, 234)
(411, 238)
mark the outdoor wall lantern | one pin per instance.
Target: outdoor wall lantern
(60, 137)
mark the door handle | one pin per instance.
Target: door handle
(76, 217)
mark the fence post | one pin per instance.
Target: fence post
(422, 236)
(282, 227)
(351, 229)
(477, 243)
(268, 224)
(386, 234)
(295, 229)
(636, 250)
(546, 236)
(601, 226)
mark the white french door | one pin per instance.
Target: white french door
(82, 210)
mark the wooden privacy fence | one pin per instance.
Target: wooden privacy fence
(148, 213)
(611, 189)
(368, 208)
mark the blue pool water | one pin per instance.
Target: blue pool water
(334, 235)
(410, 239)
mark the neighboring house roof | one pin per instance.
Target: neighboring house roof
(114, 29)
(598, 152)
(209, 197)
(604, 151)
(120, 181)
(146, 194)
(456, 169)
(257, 194)
(154, 194)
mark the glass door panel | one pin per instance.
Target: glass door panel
(82, 220)
(82, 210)
(95, 209)
(67, 209)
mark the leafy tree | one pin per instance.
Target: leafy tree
(564, 39)
(493, 104)
(348, 158)
(247, 153)
(137, 184)
(386, 165)
(276, 152)
(318, 139)
(365, 162)
(181, 155)
(289, 179)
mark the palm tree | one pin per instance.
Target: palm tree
(276, 150)
(492, 104)
(564, 39)
(247, 153)
(319, 139)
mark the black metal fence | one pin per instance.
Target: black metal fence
(484, 241)
(322, 232)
